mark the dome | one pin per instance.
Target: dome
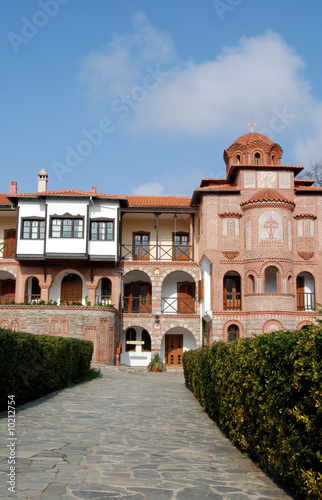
(252, 137)
(253, 149)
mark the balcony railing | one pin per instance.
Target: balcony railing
(306, 301)
(232, 301)
(7, 250)
(157, 252)
(137, 305)
(32, 297)
(174, 305)
(7, 299)
(103, 299)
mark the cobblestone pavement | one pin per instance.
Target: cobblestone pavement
(127, 435)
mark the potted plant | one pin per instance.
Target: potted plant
(156, 365)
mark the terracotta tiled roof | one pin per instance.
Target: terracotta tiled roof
(267, 195)
(251, 137)
(4, 200)
(308, 188)
(209, 182)
(66, 192)
(133, 200)
(158, 201)
(303, 182)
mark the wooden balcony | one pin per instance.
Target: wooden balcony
(178, 305)
(7, 250)
(157, 252)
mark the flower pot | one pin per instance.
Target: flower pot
(154, 369)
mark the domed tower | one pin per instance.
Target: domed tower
(252, 149)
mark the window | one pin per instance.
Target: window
(102, 230)
(232, 291)
(257, 158)
(33, 229)
(146, 347)
(233, 333)
(67, 228)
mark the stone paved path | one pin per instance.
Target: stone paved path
(128, 436)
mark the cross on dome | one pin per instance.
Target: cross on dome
(251, 124)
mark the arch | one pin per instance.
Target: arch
(136, 346)
(175, 342)
(232, 291)
(56, 285)
(305, 291)
(238, 158)
(303, 324)
(273, 160)
(229, 323)
(137, 292)
(178, 293)
(32, 289)
(103, 291)
(272, 325)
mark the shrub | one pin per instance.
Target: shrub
(34, 365)
(266, 394)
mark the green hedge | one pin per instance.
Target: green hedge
(265, 393)
(34, 365)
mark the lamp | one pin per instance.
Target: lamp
(157, 319)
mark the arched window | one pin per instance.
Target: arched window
(273, 159)
(238, 159)
(233, 333)
(251, 284)
(257, 159)
(305, 292)
(232, 291)
(271, 274)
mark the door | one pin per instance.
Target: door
(9, 243)
(173, 350)
(71, 289)
(180, 249)
(141, 246)
(186, 297)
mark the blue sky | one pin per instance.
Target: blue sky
(143, 96)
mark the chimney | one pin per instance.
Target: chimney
(93, 189)
(13, 187)
(42, 181)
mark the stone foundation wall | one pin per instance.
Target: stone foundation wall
(98, 324)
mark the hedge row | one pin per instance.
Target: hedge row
(266, 394)
(34, 365)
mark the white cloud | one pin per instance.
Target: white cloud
(150, 188)
(259, 77)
